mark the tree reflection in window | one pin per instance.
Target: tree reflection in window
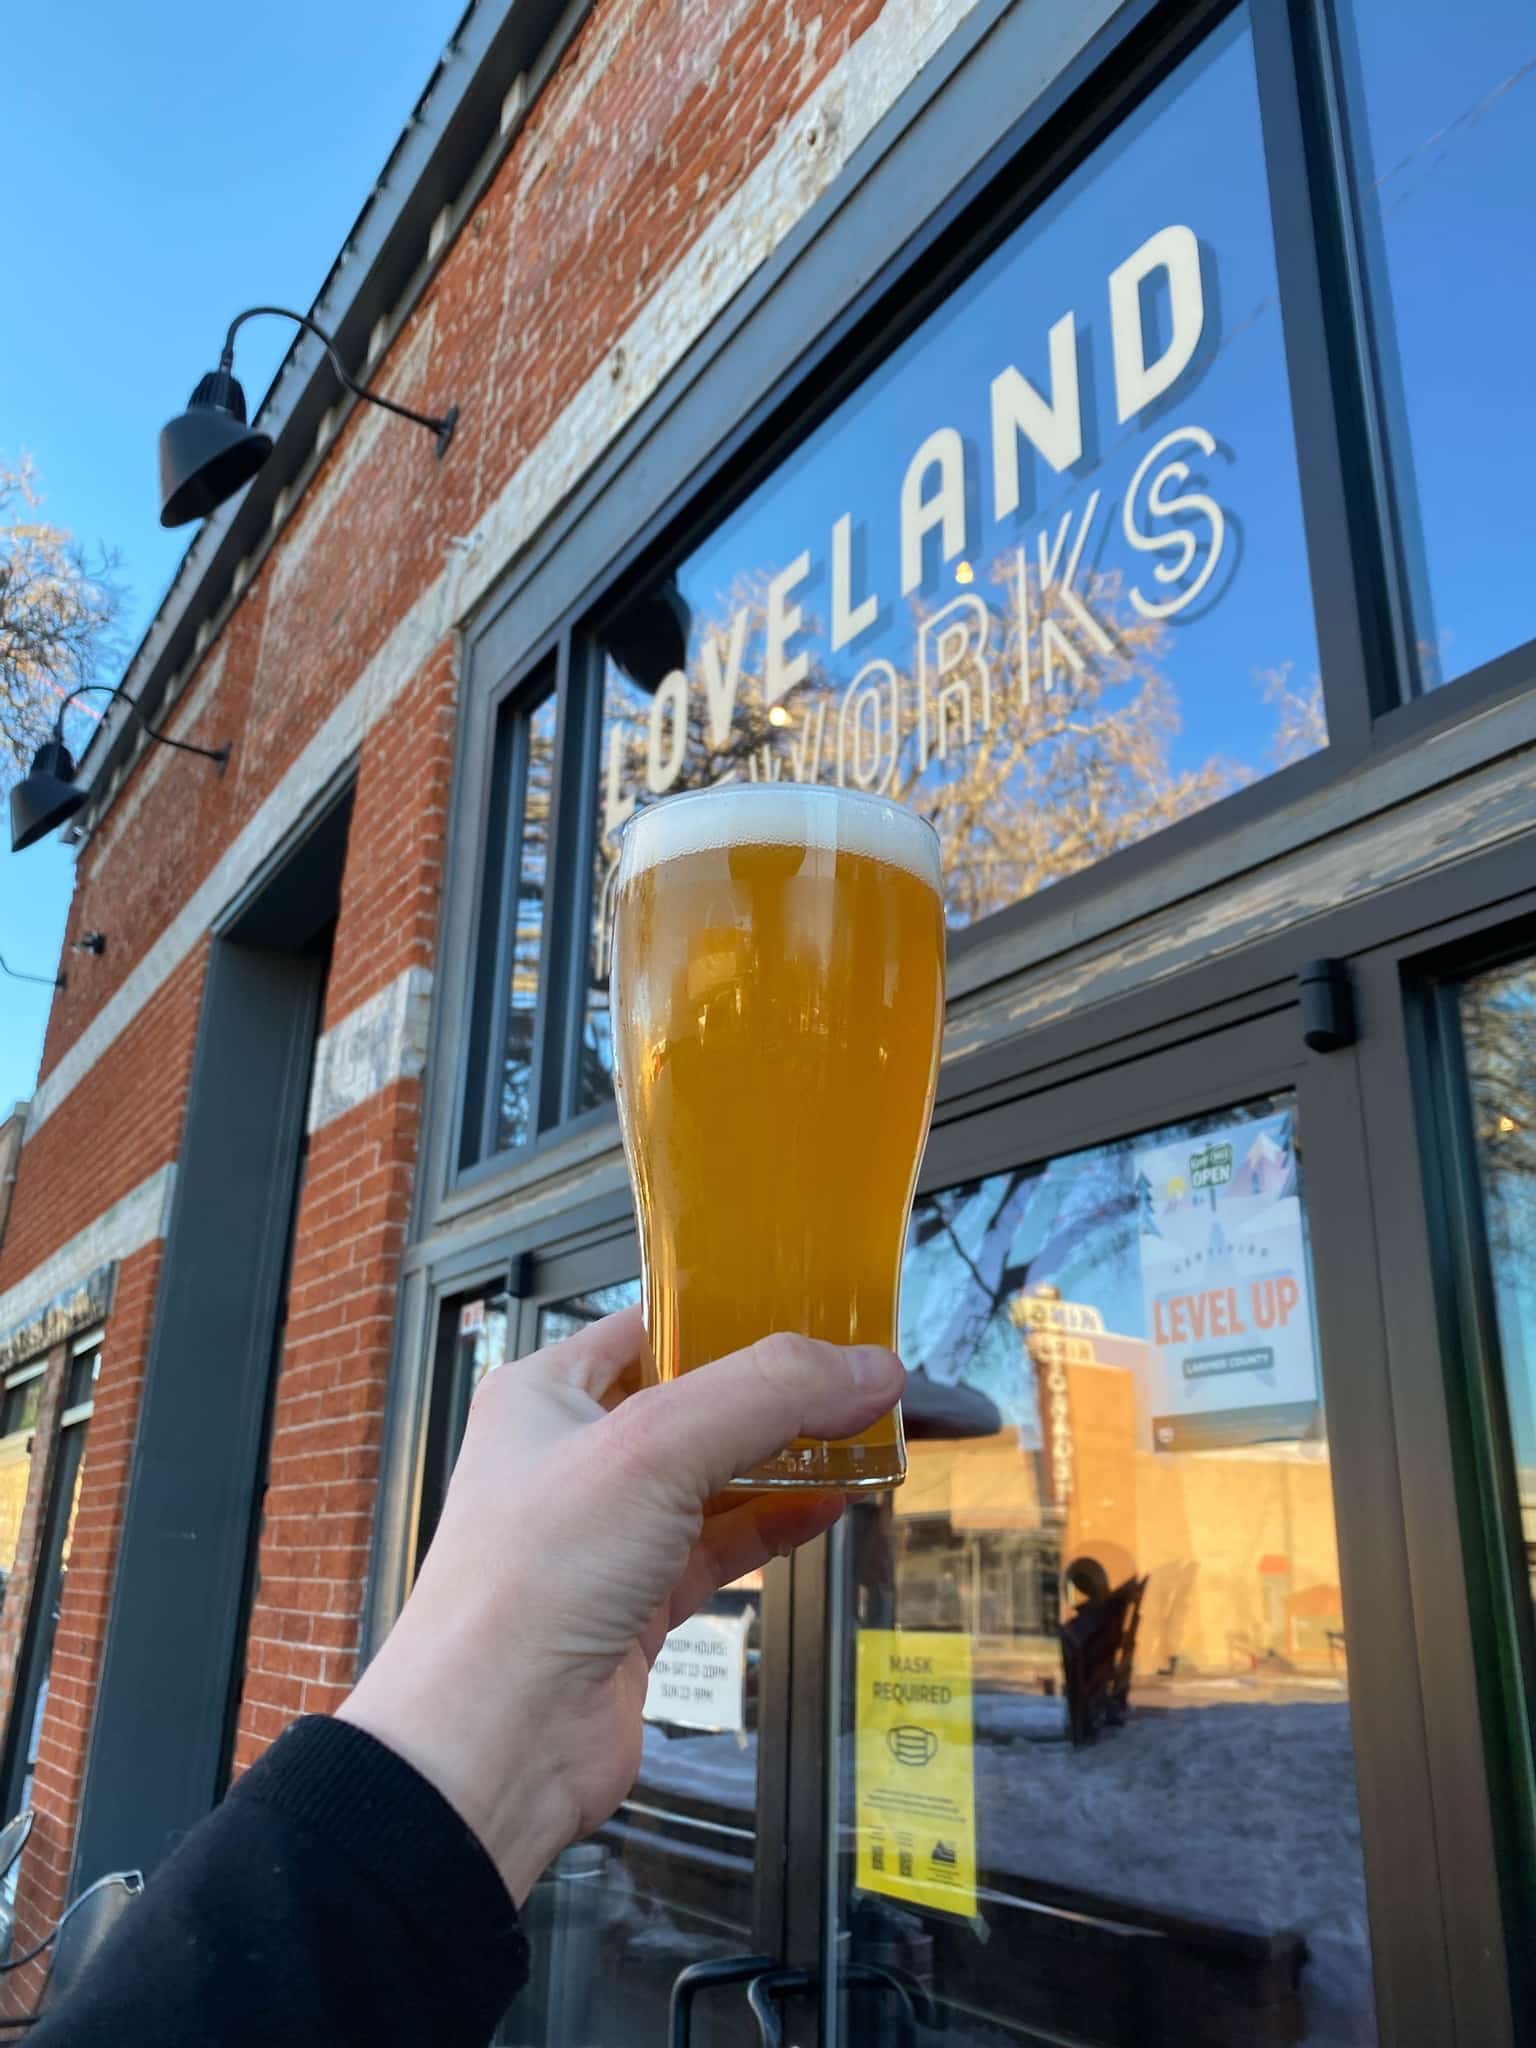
(1498, 1026)
(1042, 574)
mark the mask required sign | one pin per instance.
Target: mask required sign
(915, 1791)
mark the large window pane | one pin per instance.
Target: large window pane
(1498, 1018)
(1042, 574)
(1443, 133)
(1095, 1780)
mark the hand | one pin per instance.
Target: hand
(574, 1534)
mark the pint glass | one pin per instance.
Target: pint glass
(777, 998)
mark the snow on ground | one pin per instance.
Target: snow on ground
(1225, 1808)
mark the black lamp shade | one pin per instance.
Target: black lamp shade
(46, 797)
(208, 452)
(649, 639)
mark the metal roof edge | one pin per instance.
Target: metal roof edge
(447, 153)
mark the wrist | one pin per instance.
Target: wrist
(496, 1779)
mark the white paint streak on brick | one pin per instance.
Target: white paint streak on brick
(853, 97)
(382, 1041)
(130, 1224)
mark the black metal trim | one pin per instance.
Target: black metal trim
(175, 1626)
(1247, 1057)
(1423, 1441)
(575, 859)
(499, 755)
(1357, 641)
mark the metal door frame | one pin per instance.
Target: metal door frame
(1413, 1877)
(1445, 1923)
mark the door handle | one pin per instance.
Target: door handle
(761, 1993)
(909, 1993)
(767, 1981)
(698, 1977)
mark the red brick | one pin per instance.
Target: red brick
(649, 124)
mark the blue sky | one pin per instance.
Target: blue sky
(171, 168)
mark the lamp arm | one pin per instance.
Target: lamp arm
(443, 428)
(219, 754)
(46, 981)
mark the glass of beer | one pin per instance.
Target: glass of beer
(777, 998)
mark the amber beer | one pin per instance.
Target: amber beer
(777, 999)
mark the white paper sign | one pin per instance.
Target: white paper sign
(700, 1678)
(1226, 1288)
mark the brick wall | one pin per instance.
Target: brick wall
(42, 1889)
(659, 111)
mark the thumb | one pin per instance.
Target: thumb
(705, 1428)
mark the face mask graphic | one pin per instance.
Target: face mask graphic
(912, 1745)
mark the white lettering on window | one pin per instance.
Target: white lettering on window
(781, 670)
(869, 728)
(849, 620)
(665, 748)
(620, 802)
(954, 674)
(1182, 543)
(720, 684)
(945, 451)
(1054, 427)
(1174, 251)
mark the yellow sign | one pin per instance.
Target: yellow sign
(915, 1783)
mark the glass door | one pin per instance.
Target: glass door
(1092, 1732)
(1105, 1730)
(683, 1883)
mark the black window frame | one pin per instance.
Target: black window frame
(20, 1387)
(1385, 442)
(1466, 1327)
(507, 729)
(1359, 596)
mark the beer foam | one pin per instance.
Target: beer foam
(815, 815)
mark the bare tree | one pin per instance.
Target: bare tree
(1301, 719)
(58, 609)
(1054, 770)
(1498, 1028)
(1063, 756)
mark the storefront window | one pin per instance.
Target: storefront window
(530, 771)
(482, 1339)
(18, 1409)
(565, 1318)
(18, 1416)
(50, 1573)
(1442, 114)
(1095, 1778)
(1498, 1024)
(1043, 574)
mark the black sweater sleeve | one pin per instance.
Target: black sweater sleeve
(335, 1897)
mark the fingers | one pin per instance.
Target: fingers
(747, 1538)
(600, 1357)
(696, 1433)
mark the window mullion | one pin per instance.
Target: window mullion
(1359, 627)
(571, 824)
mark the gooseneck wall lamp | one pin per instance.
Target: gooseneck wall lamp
(208, 452)
(50, 793)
